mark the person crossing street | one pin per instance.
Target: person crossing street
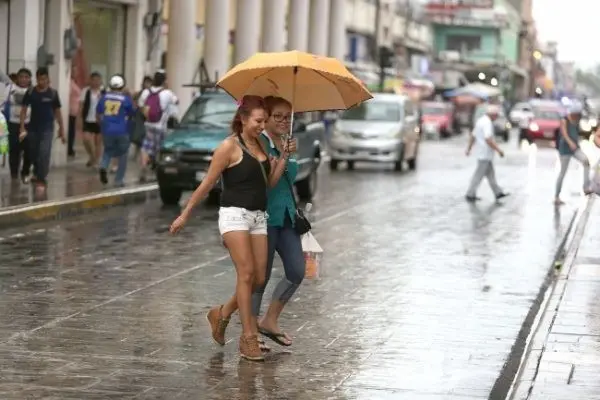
(482, 139)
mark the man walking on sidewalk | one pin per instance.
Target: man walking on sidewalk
(568, 147)
(114, 110)
(45, 109)
(18, 145)
(485, 146)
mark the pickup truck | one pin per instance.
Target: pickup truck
(186, 153)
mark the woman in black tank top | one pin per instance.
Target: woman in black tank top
(246, 171)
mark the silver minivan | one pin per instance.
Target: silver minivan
(384, 129)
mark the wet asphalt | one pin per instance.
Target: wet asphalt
(421, 295)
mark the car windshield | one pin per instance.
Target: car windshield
(547, 114)
(374, 111)
(210, 110)
(434, 110)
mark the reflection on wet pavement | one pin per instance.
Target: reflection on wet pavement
(421, 296)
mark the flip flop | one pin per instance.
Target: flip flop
(276, 337)
(263, 346)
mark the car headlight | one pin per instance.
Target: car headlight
(337, 133)
(593, 122)
(584, 125)
(508, 125)
(392, 134)
(534, 127)
(167, 158)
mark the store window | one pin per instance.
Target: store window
(100, 27)
(463, 42)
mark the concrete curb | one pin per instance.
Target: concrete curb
(504, 387)
(73, 206)
(529, 365)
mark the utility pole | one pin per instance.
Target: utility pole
(378, 44)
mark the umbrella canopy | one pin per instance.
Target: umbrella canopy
(307, 81)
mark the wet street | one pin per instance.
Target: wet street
(421, 296)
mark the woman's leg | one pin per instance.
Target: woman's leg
(289, 248)
(97, 146)
(259, 291)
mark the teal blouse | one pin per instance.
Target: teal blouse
(279, 197)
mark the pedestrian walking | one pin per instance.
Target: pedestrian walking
(282, 235)
(158, 104)
(482, 138)
(45, 110)
(19, 148)
(246, 171)
(568, 148)
(114, 110)
(87, 122)
(137, 128)
(74, 109)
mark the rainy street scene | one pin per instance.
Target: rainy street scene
(298, 200)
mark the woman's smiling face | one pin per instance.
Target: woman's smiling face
(279, 120)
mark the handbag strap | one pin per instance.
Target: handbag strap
(242, 145)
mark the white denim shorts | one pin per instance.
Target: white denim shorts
(239, 219)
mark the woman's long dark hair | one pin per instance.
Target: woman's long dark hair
(245, 108)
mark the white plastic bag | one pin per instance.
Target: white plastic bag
(312, 255)
(3, 135)
(595, 181)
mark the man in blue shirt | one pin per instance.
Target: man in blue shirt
(568, 147)
(114, 110)
(44, 103)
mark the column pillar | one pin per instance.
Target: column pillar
(337, 29)
(57, 19)
(154, 39)
(298, 25)
(216, 37)
(4, 15)
(247, 29)
(273, 26)
(136, 43)
(24, 36)
(181, 64)
(319, 18)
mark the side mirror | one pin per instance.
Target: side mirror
(298, 126)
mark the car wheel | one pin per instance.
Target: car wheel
(214, 198)
(333, 164)
(506, 136)
(307, 187)
(169, 196)
(350, 165)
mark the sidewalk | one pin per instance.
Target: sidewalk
(564, 358)
(74, 185)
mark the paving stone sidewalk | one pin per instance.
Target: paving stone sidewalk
(564, 362)
(74, 179)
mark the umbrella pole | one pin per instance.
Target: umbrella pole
(293, 100)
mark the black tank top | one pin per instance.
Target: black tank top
(244, 185)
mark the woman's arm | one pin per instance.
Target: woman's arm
(278, 170)
(219, 162)
(565, 134)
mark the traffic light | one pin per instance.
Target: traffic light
(386, 57)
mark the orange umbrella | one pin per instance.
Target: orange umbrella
(309, 82)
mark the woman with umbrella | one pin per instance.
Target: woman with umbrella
(246, 171)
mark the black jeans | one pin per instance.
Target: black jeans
(16, 149)
(71, 136)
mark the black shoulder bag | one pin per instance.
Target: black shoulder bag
(301, 223)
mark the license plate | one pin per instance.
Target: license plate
(549, 134)
(200, 175)
(359, 150)
(431, 128)
(170, 170)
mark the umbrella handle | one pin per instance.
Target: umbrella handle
(293, 100)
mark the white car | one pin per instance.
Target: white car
(520, 111)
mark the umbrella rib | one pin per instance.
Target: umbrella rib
(326, 78)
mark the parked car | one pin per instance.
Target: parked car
(186, 153)
(437, 119)
(519, 112)
(383, 130)
(501, 125)
(544, 125)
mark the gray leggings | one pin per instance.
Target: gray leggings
(485, 169)
(288, 245)
(564, 165)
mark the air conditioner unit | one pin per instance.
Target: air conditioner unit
(449, 55)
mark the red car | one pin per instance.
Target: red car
(545, 125)
(436, 118)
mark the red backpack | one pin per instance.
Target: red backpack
(153, 110)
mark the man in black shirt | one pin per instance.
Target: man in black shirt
(45, 108)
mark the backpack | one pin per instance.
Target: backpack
(153, 110)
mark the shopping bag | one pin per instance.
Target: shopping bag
(3, 135)
(313, 254)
